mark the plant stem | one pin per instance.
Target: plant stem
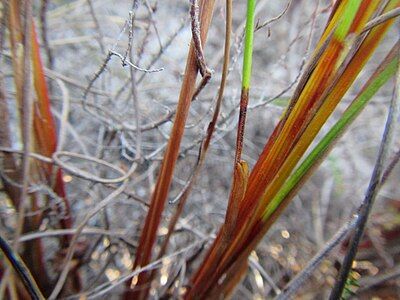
(324, 145)
(370, 196)
(21, 269)
(160, 194)
(27, 120)
(210, 130)
(247, 64)
(248, 44)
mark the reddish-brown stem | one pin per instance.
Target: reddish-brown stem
(160, 194)
(244, 101)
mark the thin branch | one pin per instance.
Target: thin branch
(153, 61)
(64, 114)
(27, 121)
(104, 66)
(108, 286)
(391, 166)
(152, 20)
(301, 278)
(203, 68)
(254, 263)
(372, 191)
(369, 283)
(87, 231)
(266, 23)
(21, 269)
(44, 34)
(31, 154)
(381, 19)
(130, 22)
(96, 76)
(135, 99)
(100, 36)
(86, 175)
(127, 62)
(101, 205)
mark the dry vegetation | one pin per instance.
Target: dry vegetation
(114, 71)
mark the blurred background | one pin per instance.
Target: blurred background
(101, 103)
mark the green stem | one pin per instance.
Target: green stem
(248, 44)
(247, 61)
(348, 18)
